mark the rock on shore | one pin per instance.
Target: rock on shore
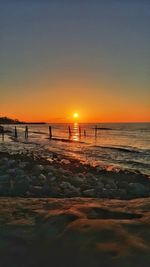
(26, 176)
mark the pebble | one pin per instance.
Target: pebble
(50, 174)
(53, 179)
(42, 177)
(100, 185)
(38, 168)
(23, 164)
(77, 180)
(89, 193)
(108, 186)
(138, 189)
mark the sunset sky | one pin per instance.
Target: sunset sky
(59, 57)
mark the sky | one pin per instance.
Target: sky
(58, 57)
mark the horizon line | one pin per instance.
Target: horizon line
(73, 122)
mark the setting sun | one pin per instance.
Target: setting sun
(75, 115)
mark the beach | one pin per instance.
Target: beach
(58, 210)
(74, 133)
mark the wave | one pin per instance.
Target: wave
(122, 149)
(135, 163)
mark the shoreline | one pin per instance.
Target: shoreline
(59, 176)
(110, 154)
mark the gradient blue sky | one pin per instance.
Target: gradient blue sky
(89, 56)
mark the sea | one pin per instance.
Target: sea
(113, 146)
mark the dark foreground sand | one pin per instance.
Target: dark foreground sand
(36, 232)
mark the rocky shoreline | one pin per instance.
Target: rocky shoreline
(30, 176)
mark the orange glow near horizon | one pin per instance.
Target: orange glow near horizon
(72, 101)
(85, 119)
(104, 115)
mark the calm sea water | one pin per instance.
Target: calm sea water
(125, 145)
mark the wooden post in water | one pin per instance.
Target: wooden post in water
(69, 129)
(79, 131)
(16, 134)
(50, 132)
(84, 133)
(2, 132)
(96, 131)
(26, 132)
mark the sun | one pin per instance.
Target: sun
(75, 115)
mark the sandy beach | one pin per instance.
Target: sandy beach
(74, 232)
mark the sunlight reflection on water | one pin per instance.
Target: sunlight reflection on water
(75, 136)
(124, 145)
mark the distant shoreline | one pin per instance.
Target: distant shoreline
(6, 121)
(20, 123)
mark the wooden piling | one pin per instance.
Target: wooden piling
(26, 132)
(84, 133)
(70, 134)
(2, 133)
(50, 132)
(79, 131)
(16, 134)
(96, 131)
